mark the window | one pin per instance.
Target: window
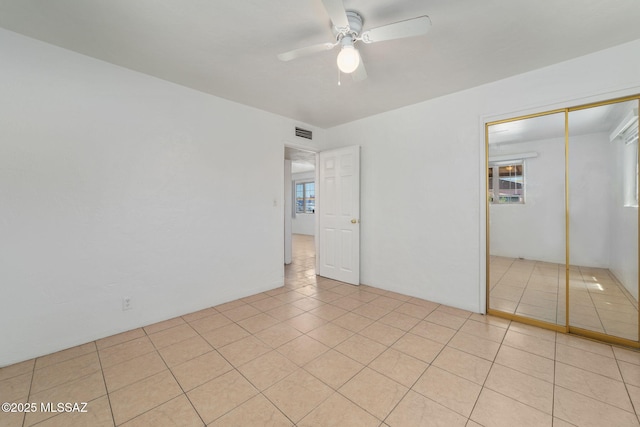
(506, 182)
(305, 197)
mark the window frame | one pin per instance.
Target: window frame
(305, 197)
(493, 179)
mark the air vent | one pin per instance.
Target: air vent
(303, 133)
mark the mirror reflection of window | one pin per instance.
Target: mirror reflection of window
(509, 185)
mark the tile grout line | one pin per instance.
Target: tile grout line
(184, 393)
(33, 375)
(104, 381)
(493, 362)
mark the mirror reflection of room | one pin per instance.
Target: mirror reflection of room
(530, 219)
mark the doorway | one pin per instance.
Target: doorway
(300, 209)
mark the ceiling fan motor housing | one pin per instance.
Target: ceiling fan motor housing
(355, 26)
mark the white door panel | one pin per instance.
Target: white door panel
(339, 214)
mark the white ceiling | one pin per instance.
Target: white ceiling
(228, 48)
(301, 160)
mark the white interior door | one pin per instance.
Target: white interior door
(339, 219)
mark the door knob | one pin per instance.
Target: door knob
(354, 221)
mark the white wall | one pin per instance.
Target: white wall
(624, 224)
(114, 184)
(422, 195)
(591, 163)
(303, 223)
(288, 207)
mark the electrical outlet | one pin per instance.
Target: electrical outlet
(126, 303)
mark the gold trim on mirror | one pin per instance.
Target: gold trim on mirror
(527, 320)
(567, 264)
(610, 339)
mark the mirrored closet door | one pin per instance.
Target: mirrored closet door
(603, 219)
(562, 220)
(526, 217)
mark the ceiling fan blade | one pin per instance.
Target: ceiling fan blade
(304, 51)
(360, 73)
(409, 28)
(336, 12)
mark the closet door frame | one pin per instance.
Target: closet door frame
(566, 328)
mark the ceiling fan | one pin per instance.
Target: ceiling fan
(347, 27)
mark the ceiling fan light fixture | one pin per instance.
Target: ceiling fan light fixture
(347, 29)
(348, 59)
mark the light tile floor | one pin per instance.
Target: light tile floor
(321, 353)
(535, 289)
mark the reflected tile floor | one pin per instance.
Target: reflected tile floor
(598, 302)
(317, 352)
